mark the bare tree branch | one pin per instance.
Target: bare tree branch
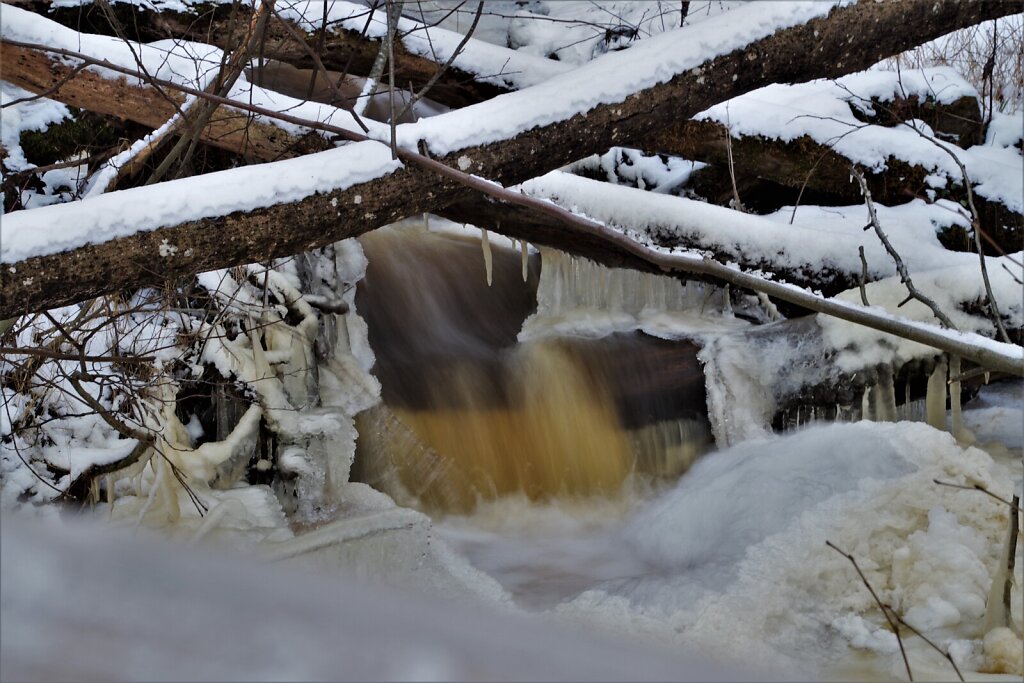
(901, 267)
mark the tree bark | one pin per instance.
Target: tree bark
(848, 39)
(222, 25)
(228, 129)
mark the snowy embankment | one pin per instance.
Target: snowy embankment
(121, 606)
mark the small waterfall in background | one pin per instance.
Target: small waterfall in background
(552, 385)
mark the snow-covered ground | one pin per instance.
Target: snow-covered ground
(81, 602)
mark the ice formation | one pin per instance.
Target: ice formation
(579, 297)
(744, 534)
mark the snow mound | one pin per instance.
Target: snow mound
(778, 479)
(744, 534)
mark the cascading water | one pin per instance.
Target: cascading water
(530, 415)
(507, 397)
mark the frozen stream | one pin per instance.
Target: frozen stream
(527, 432)
(732, 560)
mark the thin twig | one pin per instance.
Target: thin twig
(49, 91)
(377, 70)
(901, 267)
(46, 353)
(444, 67)
(978, 487)
(732, 168)
(976, 227)
(229, 72)
(926, 639)
(892, 622)
(1012, 531)
(338, 98)
(863, 276)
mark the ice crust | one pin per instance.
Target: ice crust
(739, 557)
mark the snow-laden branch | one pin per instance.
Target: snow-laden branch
(977, 348)
(351, 41)
(250, 214)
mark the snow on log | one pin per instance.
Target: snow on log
(478, 72)
(820, 250)
(227, 129)
(617, 97)
(907, 132)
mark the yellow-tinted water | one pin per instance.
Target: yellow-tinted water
(561, 438)
(471, 415)
(558, 435)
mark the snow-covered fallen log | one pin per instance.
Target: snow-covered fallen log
(820, 250)
(978, 348)
(149, 82)
(478, 71)
(510, 138)
(908, 133)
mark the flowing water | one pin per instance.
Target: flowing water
(471, 414)
(546, 412)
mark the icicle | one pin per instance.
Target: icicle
(110, 492)
(997, 613)
(525, 247)
(769, 308)
(935, 397)
(954, 398)
(865, 404)
(426, 222)
(885, 398)
(486, 246)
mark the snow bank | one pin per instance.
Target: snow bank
(740, 561)
(150, 609)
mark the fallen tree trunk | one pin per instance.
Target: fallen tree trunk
(846, 40)
(339, 49)
(228, 129)
(805, 164)
(261, 141)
